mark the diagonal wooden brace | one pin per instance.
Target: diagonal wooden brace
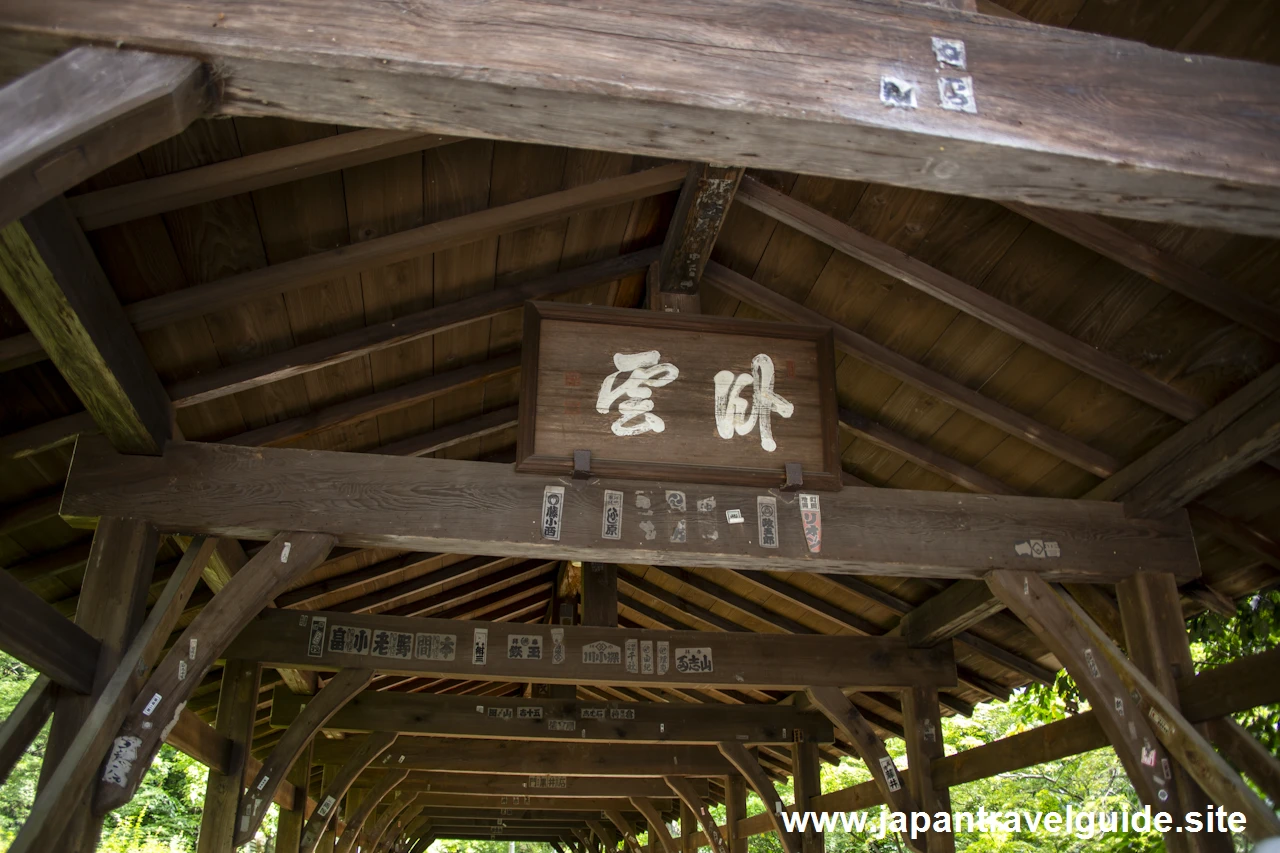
(1136, 716)
(374, 745)
(156, 709)
(253, 804)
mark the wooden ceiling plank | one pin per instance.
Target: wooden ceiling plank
(1158, 265)
(151, 196)
(50, 274)
(239, 489)
(971, 300)
(277, 638)
(1230, 437)
(86, 110)
(806, 119)
(442, 438)
(904, 369)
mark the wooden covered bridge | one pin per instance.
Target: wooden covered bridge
(542, 420)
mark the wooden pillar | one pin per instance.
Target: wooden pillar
(289, 826)
(922, 725)
(1155, 637)
(688, 826)
(600, 594)
(237, 706)
(112, 606)
(735, 809)
(807, 779)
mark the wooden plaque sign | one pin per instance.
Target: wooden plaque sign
(668, 396)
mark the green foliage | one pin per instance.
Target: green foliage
(1255, 628)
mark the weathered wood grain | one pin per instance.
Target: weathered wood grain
(89, 109)
(287, 557)
(1197, 130)
(304, 726)
(476, 508)
(905, 370)
(36, 634)
(1228, 438)
(634, 722)
(65, 787)
(111, 206)
(763, 661)
(50, 274)
(971, 300)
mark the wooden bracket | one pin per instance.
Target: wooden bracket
(286, 557)
(581, 467)
(794, 480)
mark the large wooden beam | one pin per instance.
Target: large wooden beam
(39, 636)
(1118, 685)
(287, 557)
(550, 761)
(447, 647)
(303, 727)
(477, 508)
(87, 110)
(1228, 438)
(50, 274)
(866, 104)
(576, 720)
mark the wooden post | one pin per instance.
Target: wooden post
(237, 704)
(113, 601)
(735, 809)
(688, 826)
(290, 823)
(1155, 637)
(807, 779)
(600, 595)
(922, 724)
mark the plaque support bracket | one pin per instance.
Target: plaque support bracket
(794, 477)
(581, 467)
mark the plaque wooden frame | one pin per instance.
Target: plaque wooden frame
(826, 477)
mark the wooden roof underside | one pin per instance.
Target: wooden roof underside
(903, 436)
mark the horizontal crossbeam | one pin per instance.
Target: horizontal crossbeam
(577, 654)
(478, 508)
